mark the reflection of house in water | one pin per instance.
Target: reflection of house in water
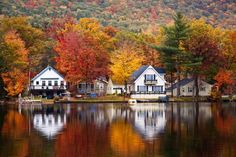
(92, 114)
(49, 125)
(102, 115)
(189, 111)
(150, 120)
(185, 116)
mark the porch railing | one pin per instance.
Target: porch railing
(149, 92)
(150, 82)
(40, 87)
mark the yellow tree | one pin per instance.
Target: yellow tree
(13, 83)
(124, 62)
(23, 48)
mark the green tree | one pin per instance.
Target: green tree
(172, 51)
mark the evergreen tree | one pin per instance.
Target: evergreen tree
(173, 54)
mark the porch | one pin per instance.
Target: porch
(148, 95)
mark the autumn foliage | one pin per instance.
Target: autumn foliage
(14, 83)
(225, 81)
(124, 62)
(82, 51)
(80, 57)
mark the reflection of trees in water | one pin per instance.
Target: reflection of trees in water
(14, 130)
(225, 124)
(124, 140)
(196, 129)
(199, 134)
(84, 140)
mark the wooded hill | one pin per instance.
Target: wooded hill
(133, 15)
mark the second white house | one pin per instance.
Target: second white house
(148, 82)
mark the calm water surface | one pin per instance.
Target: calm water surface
(119, 130)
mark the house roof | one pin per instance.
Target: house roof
(182, 82)
(138, 72)
(44, 70)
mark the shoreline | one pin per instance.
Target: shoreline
(181, 99)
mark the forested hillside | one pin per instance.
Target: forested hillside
(134, 15)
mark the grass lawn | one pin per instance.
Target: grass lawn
(107, 98)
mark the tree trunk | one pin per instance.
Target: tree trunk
(178, 80)
(125, 89)
(196, 86)
(29, 79)
(86, 88)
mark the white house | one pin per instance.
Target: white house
(187, 88)
(116, 88)
(48, 83)
(148, 82)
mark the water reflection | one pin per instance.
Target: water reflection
(107, 130)
(150, 119)
(49, 125)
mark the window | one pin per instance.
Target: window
(55, 83)
(80, 86)
(203, 89)
(150, 77)
(142, 88)
(157, 88)
(92, 86)
(62, 83)
(49, 83)
(190, 89)
(37, 82)
(43, 83)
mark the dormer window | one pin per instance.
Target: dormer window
(49, 69)
(150, 77)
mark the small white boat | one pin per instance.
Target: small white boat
(132, 101)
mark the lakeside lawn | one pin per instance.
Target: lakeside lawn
(106, 98)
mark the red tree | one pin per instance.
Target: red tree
(80, 57)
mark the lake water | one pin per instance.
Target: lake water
(119, 130)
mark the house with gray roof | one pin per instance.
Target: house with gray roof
(187, 88)
(148, 82)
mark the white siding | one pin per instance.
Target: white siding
(185, 92)
(49, 75)
(116, 88)
(150, 70)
